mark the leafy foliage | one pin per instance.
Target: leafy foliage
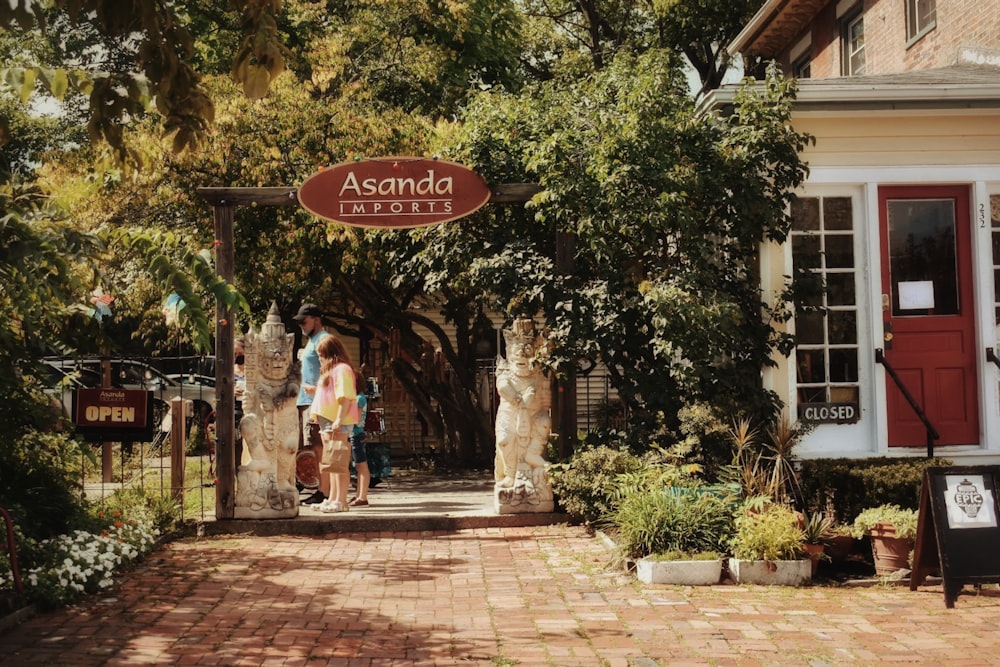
(570, 38)
(701, 30)
(663, 286)
(849, 486)
(771, 534)
(765, 466)
(903, 520)
(587, 485)
(40, 482)
(818, 528)
(689, 520)
(157, 40)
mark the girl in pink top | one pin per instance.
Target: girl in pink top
(335, 407)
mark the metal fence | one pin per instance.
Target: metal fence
(115, 464)
(147, 465)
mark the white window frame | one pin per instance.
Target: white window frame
(853, 44)
(920, 23)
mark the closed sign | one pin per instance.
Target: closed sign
(829, 413)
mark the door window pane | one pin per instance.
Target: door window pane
(839, 251)
(844, 365)
(995, 232)
(837, 214)
(805, 214)
(843, 327)
(810, 328)
(922, 257)
(840, 289)
(811, 366)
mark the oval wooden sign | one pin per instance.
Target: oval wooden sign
(394, 192)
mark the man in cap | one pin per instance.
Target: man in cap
(310, 320)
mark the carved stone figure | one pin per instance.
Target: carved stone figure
(265, 487)
(523, 426)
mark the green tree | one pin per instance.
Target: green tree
(49, 260)
(572, 37)
(701, 30)
(150, 43)
(668, 209)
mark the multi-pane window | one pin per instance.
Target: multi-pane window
(921, 17)
(802, 68)
(854, 44)
(826, 333)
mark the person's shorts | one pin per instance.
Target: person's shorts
(310, 431)
(358, 448)
(326, 426)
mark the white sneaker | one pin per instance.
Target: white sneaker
(323, 506)
(334, 507)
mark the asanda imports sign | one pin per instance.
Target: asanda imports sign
(394, 192)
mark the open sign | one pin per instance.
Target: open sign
(113, 413)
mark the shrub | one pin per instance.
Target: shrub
(771, 534)
(61, 569)
(904, 521)
(40, 477)
(586, 484)
(845, 487)
(689, 521)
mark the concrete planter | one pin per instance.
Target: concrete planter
(771, 573)
(681, 572)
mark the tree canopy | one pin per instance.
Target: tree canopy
(587, 99)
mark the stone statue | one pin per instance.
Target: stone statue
(523, 426)
(265, 487)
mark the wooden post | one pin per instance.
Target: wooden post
(107, 455)
(225, 395)
(178, 447)
(564, 403)
(223, 201)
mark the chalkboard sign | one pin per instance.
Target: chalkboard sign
(958, 533)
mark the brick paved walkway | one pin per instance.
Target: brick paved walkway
(490, 596)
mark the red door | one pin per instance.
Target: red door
(928, 313)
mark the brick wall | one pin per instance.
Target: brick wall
(960, 23)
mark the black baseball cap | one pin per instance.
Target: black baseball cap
(307, 309)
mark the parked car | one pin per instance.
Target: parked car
(198, 370)
(68, 374)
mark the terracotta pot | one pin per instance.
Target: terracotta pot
(839, 548)
(815, 553)
(891, 553)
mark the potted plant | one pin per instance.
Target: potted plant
(840, 546)
(675, 535)
(893, 531)
(767, 548)
(817, 532)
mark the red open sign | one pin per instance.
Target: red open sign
(113, 414)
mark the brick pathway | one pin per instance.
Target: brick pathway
(491, 596)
